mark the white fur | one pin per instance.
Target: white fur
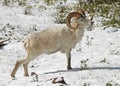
(50, 41)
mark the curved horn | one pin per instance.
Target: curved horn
(81, 11)
(71, 15)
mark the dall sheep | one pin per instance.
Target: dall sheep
(55, 39)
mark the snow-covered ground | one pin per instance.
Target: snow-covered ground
(100, 47)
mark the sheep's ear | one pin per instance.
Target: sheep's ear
(91, 18)
(92, 15)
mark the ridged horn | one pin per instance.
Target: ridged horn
(71, 15)
(81, 11)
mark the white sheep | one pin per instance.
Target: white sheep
(55, 39)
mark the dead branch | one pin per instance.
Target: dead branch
(2, 42)
(59, 80)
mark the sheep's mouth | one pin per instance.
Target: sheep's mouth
(90, 27)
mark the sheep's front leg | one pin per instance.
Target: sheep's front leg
(68, 54)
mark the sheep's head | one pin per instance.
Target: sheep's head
(81, 20)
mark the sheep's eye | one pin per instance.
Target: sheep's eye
(81, 19)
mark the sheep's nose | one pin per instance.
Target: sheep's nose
(91, 22)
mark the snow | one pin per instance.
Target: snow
(100, 46)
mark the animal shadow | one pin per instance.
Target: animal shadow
(78, 69)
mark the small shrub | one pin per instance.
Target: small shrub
(85, 84)
(27, 10)
(22, 2)
(6, 2)
(109, 84)
(61, 14)
(83, 64)
(49, 2)
(42, 7)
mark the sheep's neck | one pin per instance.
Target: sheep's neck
(79, 32)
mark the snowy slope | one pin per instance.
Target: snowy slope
(101, 49)
(99, 71)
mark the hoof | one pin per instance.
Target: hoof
(26, 75)
(69, 68)
(12, 76)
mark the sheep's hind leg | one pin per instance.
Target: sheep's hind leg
(17, 65)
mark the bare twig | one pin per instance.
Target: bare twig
(2, 42)
(59, 80)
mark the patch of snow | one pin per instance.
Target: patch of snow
(100, 46)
